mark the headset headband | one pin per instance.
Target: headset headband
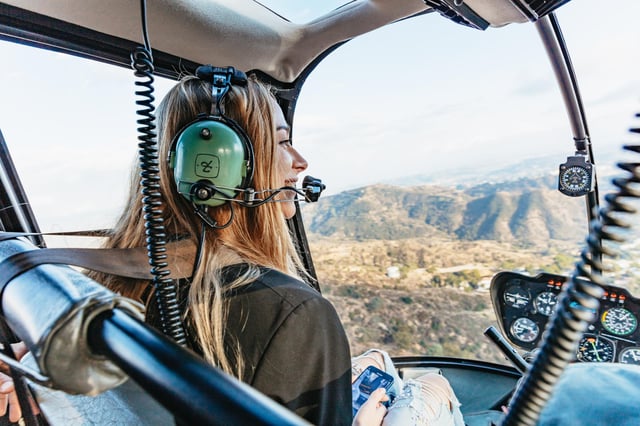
(221, 80)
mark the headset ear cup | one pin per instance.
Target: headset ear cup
(211, 155)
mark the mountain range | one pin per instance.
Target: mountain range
(525, 210)
(516, 203)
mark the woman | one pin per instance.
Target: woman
(246, 309)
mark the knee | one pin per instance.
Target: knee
(434, 380)
(436, 387)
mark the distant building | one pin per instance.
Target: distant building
(393, 272)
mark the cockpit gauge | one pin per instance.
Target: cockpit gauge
(575, 179)
(576, 176)
(546, 302)
(594, 348)
(516, 297)
(525, 330)
(630, 356)
(619, 321)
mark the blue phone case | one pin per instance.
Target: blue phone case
(371, 379)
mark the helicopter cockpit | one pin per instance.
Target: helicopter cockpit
(459, 222)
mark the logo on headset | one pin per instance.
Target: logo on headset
(207, 166)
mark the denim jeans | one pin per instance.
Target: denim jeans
(595, 394)
(418, 402)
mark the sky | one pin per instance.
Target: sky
(418, 97)
(467, 98)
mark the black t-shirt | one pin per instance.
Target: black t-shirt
(293, 344)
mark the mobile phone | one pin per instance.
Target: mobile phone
(369, 380)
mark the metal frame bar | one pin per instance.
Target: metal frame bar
(551, 35)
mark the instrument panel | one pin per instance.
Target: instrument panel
(524, 305)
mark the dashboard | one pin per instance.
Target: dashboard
(524, 304)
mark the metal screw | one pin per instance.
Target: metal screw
(203, 194)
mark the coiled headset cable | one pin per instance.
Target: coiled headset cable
(165, 287)
(579, 301)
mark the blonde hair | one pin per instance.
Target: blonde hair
(256, 237)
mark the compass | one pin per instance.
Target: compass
(576, 177)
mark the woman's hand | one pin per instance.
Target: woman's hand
(8, 395)
(373, 411)
(9, 399)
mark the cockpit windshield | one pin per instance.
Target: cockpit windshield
(439, 146)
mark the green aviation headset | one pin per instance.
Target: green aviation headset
(212, 157)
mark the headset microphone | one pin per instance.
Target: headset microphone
(312, 188)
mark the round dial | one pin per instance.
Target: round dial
(525, 330)
(546, 302)
(630, 355)
(575, 179)
(516, 296)
(595, 349)
(619, 321)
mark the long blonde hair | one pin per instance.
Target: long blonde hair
(255, 237)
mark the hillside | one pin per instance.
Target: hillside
(523, 212)
(439, 302)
